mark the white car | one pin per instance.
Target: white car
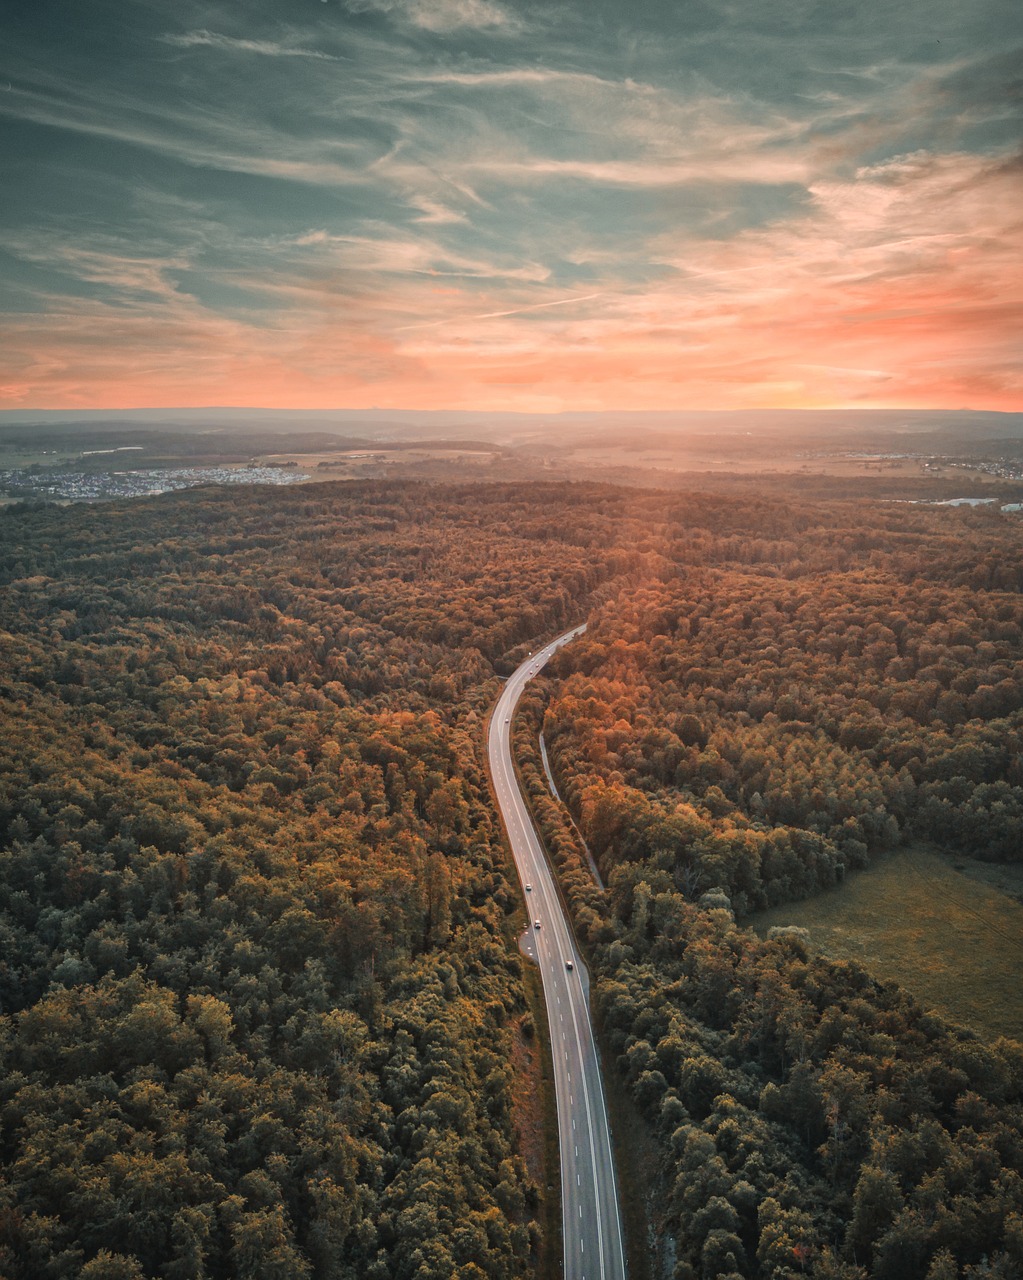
(529, 888)
(536, 924)
(568, 964)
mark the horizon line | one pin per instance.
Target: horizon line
(505, 413)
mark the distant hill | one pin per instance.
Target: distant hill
(868, 428)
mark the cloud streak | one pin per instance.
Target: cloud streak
(218, 142)
(500, 315)
(444, 15)
(264, 48)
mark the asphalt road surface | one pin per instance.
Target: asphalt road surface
(591, 1221)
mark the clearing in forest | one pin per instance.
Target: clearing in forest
(952, 941)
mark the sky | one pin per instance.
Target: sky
(501, 204)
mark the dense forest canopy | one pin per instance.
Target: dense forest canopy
(257, 982)
(756, 722)
(255, 972)
(813, 722)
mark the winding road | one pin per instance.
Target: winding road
(591, 1222)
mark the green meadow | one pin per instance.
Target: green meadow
(943, 931)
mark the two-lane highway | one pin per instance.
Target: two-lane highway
(590, 1216)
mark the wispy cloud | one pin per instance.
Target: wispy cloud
(265, 48)
(649, 173)
(519, 77)
(121, 273)
(445, 15)
(500, 315)
(214, 140)
(415, 256)
(488, 202)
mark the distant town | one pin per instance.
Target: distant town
(77, 486)
(52, 466)
(999, 468)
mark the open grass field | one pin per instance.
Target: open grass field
(953, 941)
(750, 457)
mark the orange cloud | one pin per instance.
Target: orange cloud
(898, 287)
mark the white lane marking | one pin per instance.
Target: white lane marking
(589, 1120)
(611, 1167)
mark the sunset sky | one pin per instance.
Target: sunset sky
(479, 204)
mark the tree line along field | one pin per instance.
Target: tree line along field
(916, 916)
(257, 971)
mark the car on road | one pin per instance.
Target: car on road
(568, 964)
(529, 888)
(536, 924)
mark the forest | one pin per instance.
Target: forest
(254, 967)
(258, 974)
(754, 725)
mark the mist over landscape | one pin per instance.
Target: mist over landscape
(916, 455)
